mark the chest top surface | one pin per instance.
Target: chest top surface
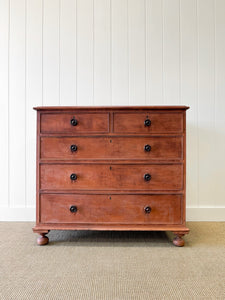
(94, 108)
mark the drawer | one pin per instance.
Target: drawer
(130, 209)
(75, 123)
(151, 148)
(148, 122)
(111, 177)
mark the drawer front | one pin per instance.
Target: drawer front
(130, 209)
(148, 123)
(161, 148)
(75, 123)
(111, 177)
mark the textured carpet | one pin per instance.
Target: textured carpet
(112, 265)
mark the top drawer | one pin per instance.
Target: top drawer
(75, 123)
(148, 122)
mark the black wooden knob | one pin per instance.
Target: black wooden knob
(73, 176)
(148, 148)
(147, 209)
(147, 177)
(73, 148)
(73, 208)
(147, 122)
(73, 122)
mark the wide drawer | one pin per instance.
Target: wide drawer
(130, 209)
(148, 122)
(161, 148)
(75, 123)
(111, 177)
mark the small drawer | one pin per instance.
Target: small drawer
(111, 177)
(75, 123)
(149, 122)
(75, 148)
(128, 209)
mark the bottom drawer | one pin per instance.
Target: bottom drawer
(122, 209)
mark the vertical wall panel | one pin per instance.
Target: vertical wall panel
(4, 59)
(33, 90)
(220, 101)
(154, 52)
(206, 101)
(188, 29)
(136, 51)
(119, 59)
(171, 51)
(17, 106)
(85, 52)
(119, 52)
(51, 22)
(67, 52)
(220, 60)
(102, 52)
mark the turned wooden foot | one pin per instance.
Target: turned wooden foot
(42, 239)
(178, 241)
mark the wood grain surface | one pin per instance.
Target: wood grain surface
(162, 148)
(111, 177)
(112, 169)
(160, 122)
(86, 122)
(130, 209)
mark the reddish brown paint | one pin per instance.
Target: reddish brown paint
(123, 209)
(160, 122)
(111, 177)
(110, 191)
(113, 147)
(86, 123)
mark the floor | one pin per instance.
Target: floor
(112, 265)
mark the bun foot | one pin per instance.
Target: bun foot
(178, 241)
(42, 239)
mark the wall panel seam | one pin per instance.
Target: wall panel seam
(145, 28)
(128, 56)
(9, 204)
(59, 28)
(214, 63)
(180, 60)
(163, 77)
(214, 82)
(76, 53)
(42, 53)
(110, 50)
(93, 52)
(25, 103)
(197, 96)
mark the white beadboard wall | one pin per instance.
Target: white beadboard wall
(113, 52)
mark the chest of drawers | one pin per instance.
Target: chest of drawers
(111, 168)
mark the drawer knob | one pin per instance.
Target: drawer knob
(73, 148)
(148, 148)
(73, 208)
(147, 122)
(73, 122)
(73, 176)
(147, 177)
(147, 209)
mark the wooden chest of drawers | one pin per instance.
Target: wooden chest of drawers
(111, 168)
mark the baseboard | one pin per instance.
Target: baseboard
(21, 214)
(193, 214)
(216, 214)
